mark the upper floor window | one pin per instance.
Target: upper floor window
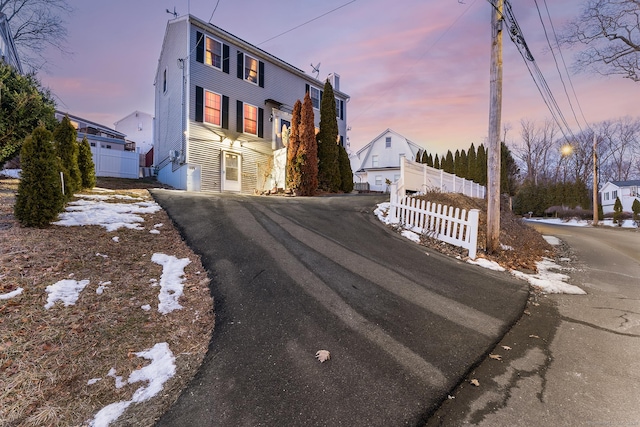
(314, 93)
(213, 52)
(614, 194)
(340, 109)
(374, 161)
(387, 142)
(164, 81)
(250, 69)
(212, 108)
(250, 119)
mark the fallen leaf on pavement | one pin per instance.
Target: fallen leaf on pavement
(533, 336)
(475, 382)
(495, 356)
(506, 347)
(323, 355)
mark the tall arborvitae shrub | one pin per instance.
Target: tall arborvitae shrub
(86, 165)
(471, 164)
(425, 157)
(635, 207)
(447, 163)
(346, 174)
(39, 199)
(327, 140)
(429, 161)
(307, 155)
(67, 150)
(293, 170)
(419, 156)
(481, 165)
(617, 212)
(463, 168)
(436, 163)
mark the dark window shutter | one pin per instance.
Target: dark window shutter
(321, 93)
(239, 124)
(306, 88)
(199, 47)
(240, 65)
(341, 141)
(225, 58)
(260, 122)
(225, 112)
(341, 110)
(261, 74)
(199, 104)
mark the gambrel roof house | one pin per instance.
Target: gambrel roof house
(627, 191)
(221, 105)
(379, 160)
(8, 51)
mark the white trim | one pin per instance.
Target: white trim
(204, 60)
(246, 55)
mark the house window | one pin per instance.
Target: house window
(606, 196)
(164, 81)
(614, 194)
(387, 142)
(250, 119)
(93, 144)
(250, 69)
(212, 108)
(378, 179)
(213, 53)
(374, 161)
(314, 93)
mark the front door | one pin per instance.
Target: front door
(231, 172)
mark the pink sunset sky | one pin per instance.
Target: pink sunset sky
(418, 67)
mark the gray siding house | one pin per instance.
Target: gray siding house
(8, 51)
(221, 106)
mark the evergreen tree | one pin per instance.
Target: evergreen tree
(24, 105)
(419, 156)
(447, 164)
(635, 207)
(327, 141)
(464, 166)
(67, 150)
(39, 199)
(472, 164)
(456, 163)
(436, 162)
(481, 165)
(425, 157)
(86, 165)
(346, 174)
(430, 160)
(508, 171)
(307, 155)
(293, 170)
(617, 212)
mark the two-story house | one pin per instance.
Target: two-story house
(221, 105)
(626, 191)
(379, 160)
(8, 51)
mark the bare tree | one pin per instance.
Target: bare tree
(36, 26)
(618, 148)
(537, 149)
(609, 31)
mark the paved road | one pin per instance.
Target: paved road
(574, 360)
(291, 276)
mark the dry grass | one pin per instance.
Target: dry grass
(523, 246)
(47, 356)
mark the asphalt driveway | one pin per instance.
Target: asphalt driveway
(291, 276)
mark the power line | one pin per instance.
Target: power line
(214, 11)
(305, 23)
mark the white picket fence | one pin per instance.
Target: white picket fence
(445, 223)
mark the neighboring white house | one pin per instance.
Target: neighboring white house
(379, 160)
(221, 105)
(138, 127)
(627, 191)
(8, 51)
(112, 155)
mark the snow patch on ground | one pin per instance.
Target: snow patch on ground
(157, 373)
(11, 173)
(483, 262)
(552, 240)
(549, 280)
(66, 291)
(11, 294)
(171, 281)
(411, 235)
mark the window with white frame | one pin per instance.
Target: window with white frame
(378, 179)
(375, 161)
(614, 194)
(213, 53)
(606, 196)
(250, 119)
(387, 142)
(314, 93)
(250, 69)
(212, 108)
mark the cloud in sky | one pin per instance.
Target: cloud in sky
(420, 68)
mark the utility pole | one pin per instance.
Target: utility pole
(595, 180)
(495, 114)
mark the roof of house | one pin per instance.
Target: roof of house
(631, 183)
(94, 125)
